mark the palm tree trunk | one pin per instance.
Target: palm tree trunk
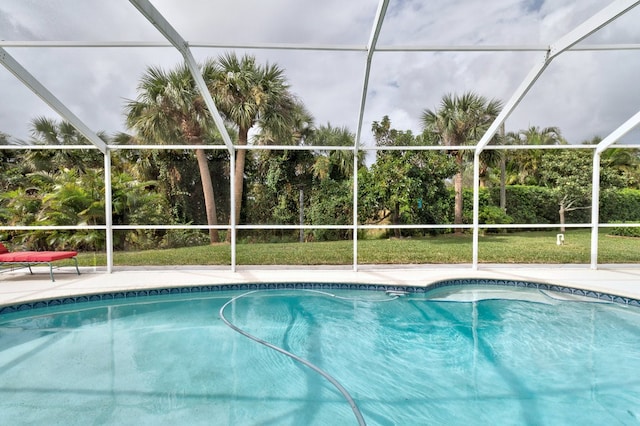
(239, 180)
(238, 176)
(482, 179)
(396, 220)
(209, 197)
(457, 185)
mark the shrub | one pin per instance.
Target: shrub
(184, 238)
(528, 204)
(621, 205)
(331, 204)
(493, 215)
(625, 231)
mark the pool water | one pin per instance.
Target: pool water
(404, 360)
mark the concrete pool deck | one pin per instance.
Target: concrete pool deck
(18, 285)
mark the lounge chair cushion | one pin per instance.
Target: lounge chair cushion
(36, 256)
(33, 256)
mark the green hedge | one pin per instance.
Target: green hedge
(631, 231)
(525, 204)
(535, 204)
(528, 204)
(622, 205)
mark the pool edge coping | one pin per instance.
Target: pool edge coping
(138, 294)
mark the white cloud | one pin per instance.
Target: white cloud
(584, 93)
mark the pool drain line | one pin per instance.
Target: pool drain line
(318, 370)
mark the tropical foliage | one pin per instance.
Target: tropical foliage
(170, 110)
(460, 120)
(405, 186)
(283, 184)
(249, 94)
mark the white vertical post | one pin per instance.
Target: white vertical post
(232, 209)
(158, 20)
(355, 207)
(605, 143)
(476, 206)
(108, 210)
(595, 209)
(371, 47)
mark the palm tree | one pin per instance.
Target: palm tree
(546, 136)
(10, 164)
(301, 129)
(337, 163)
(4, 139)
(169, 109)
(489, 158)
(624, 162)
(46, 131)
(460, 120)
(622, 159)
(524, 165)
(248, 94)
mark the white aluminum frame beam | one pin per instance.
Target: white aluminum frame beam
(584, 30)
(43, 93)
(591, 25)
(613, 137)
(371, 48)
(319, 47)
(165, 28)
(588, 27)
(563, 44)
(515, 99)
(108, 211)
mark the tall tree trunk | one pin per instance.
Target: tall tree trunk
(482, 179)
(209, 197)
(396, 220)
(561, 213)
(238, 177)
(301, 211)
(457, 185)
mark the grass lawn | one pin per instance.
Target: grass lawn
(520, 247)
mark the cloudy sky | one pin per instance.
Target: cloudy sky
(584, 93)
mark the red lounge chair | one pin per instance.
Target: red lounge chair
(27, 258)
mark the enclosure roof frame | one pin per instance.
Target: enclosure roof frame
(50, 99)
(164, 27)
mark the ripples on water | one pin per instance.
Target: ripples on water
(406, 360)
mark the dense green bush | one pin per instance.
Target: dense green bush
(184, 238)
(525, 204)
(536, 204)
(621, 205)
(493, 215)
(528, 204)
(331, 204)
(625, 231)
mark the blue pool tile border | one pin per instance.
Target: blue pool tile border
(136, 294)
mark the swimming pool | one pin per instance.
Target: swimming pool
(454, 355)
